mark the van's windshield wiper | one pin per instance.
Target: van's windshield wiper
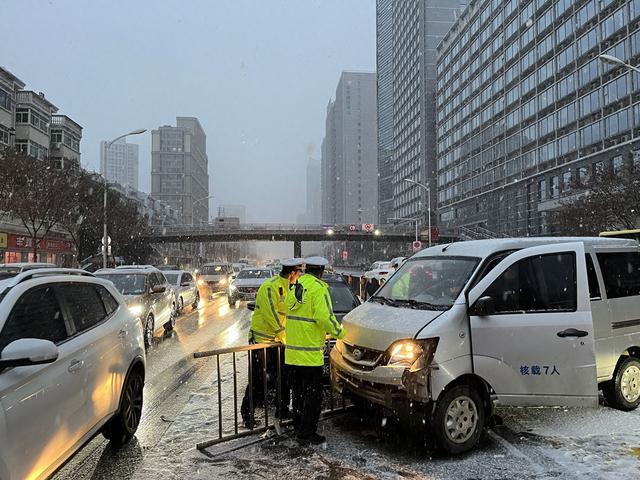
(421, 305)
(383, 300)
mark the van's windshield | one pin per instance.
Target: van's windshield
(428, 282)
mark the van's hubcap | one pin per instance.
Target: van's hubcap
(461, 420)
(630, 384)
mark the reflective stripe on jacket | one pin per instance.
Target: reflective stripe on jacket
(269, 317)
(308, 322)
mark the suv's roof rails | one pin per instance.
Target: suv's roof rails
(43, 272)
(135, 267)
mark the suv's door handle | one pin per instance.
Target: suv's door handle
(75, 365)
(572, 332)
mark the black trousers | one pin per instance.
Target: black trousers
(255, 387)
(306, 384)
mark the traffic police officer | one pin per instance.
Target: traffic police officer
(309, 318)
(268, 326)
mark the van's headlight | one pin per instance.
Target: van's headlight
(136, 310)
(404, 353)
(201, 282)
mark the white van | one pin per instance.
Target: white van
(215, 277)
(519, 321)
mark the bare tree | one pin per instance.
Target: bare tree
(606, 201)
(40, 194)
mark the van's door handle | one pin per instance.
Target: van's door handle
(75, 365)
(122, 333)
(572, 332)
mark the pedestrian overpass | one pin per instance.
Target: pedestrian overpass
(277, 233)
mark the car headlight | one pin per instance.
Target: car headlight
(404, 353)
(136, 310)
(201, 282)
(223, 281)
(232, 288)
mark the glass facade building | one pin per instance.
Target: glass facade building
(384, 83)
(525, 108)
(418, 26)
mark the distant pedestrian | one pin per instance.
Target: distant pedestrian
(309, 318)
(372, 287)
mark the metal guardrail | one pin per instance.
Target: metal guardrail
(251, 227)
(233, 352)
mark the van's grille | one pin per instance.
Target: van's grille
(247, 289)
(360, 357)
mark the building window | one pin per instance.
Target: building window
(4, 135)
(618, 165)
(22, 115)
(555, 187)
(542, 190)
(5, 100)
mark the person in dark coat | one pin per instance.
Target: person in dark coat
(371, 288)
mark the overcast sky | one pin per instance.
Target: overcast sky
(257, 73)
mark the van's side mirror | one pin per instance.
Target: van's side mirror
(251, 306)
(28, 351)
(484, 307)
(158, 289)
(185, 284)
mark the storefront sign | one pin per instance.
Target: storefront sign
(3, 240)
(53, 245)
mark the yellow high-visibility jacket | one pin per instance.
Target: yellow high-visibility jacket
(309, 319)
(269, 318)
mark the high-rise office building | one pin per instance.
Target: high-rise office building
(314, 197)
(121, 163)
(180, 169)
(384, 85)
(526, 108)
(418, 28)
(349, 152)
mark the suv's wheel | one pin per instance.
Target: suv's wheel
(180, 305)
(623, 391)
(149, 327)
(172, 320)
(458, 421)
(232, 302)
(122, 427)
(195, 303)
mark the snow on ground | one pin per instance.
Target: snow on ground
(539, 443)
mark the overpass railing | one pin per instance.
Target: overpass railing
(268, 227)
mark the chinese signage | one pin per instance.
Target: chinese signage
(53, 245)
(3, 240)
(539, 370)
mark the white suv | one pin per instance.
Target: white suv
(72, 364)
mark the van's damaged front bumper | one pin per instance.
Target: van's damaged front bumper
(388, 386)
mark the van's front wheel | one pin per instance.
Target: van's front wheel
(459, 419)
(623, 392)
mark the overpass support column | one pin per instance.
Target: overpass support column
(297, 249)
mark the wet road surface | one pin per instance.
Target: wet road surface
(172, 374)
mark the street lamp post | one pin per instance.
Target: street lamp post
(107, 145)
(611, 60)
(201, 251)
(194, 204)
(416, 219)
(414, 182)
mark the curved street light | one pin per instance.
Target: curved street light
(198, 201)
(611, 60)
(105, 237)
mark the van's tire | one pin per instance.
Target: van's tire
(168, 327)
(459, 419)
(149, 328)
(122, 427)
(195, 303)
(623, 391)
